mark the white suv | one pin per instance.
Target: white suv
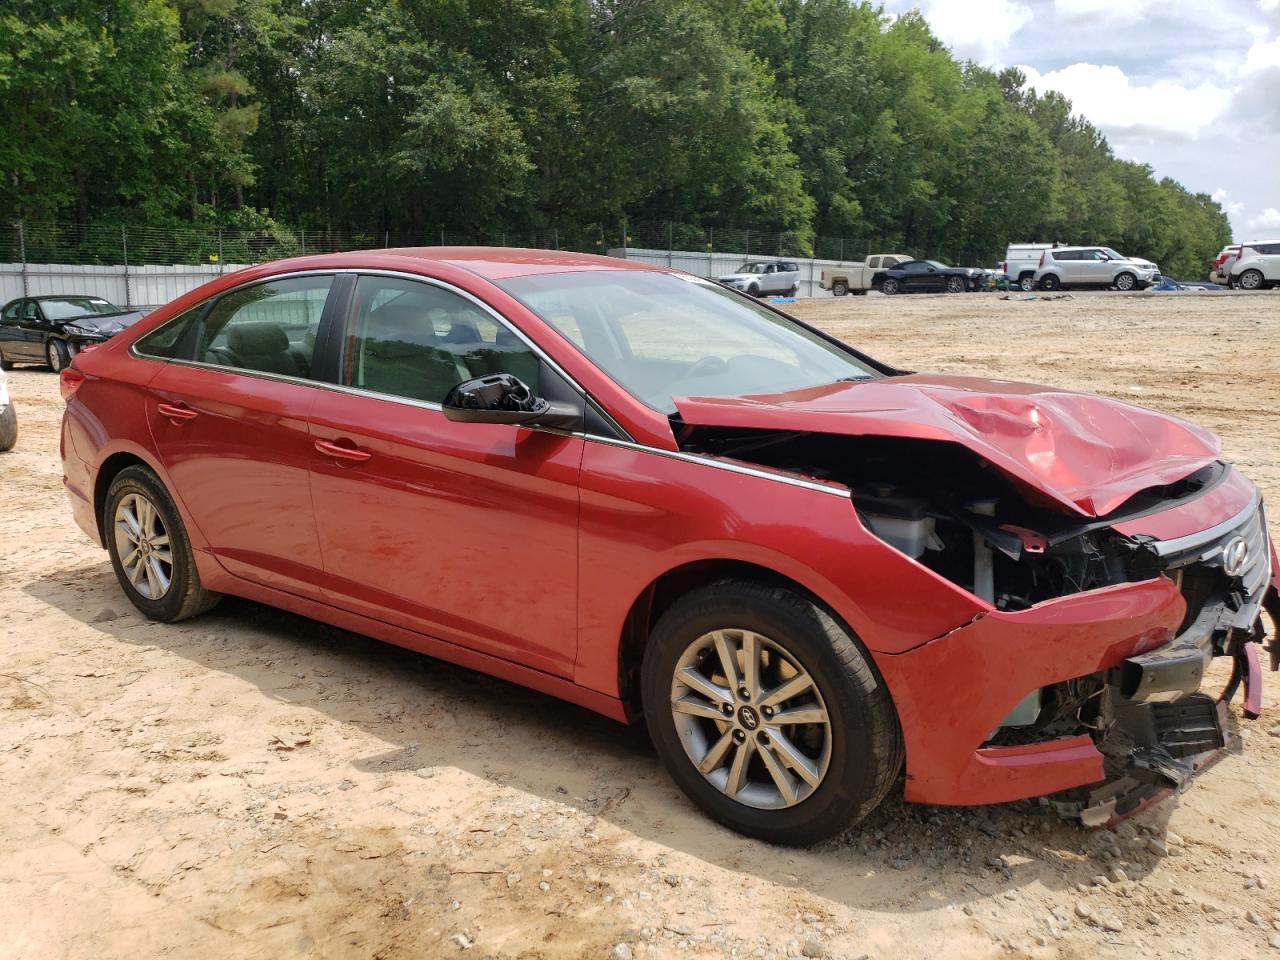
(1093, 267)
(1256, 266)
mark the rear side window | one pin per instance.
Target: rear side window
(417, 340)
(170, 340)
(267, 327)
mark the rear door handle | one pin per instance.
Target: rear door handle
(176, 414)
(340, 452)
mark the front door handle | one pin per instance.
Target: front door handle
(340, 452)
(176, 414)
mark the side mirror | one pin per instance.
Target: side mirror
(502, 398)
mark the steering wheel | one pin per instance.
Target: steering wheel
(706, 366)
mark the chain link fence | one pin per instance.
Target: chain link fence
(146, 266)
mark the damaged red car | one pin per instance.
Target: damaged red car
(811, 575)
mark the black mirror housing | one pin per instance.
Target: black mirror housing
(503, 398)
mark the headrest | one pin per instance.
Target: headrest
(464, 331)
(508, 340)
(257, 337)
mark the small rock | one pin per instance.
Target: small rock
(346, 785)
(1157, 846)
(426, 773)
(1274, 942)
(1011, 894)
(544, 886)
(1118, 875)
(1000, 863)
(969, 910)
(456, 905)
(1173, 840)
(1112, 925)
(1153, 919)
(1254, 918)
(900, 863)
(1083, 910)
(813, 949)
(462, 941)
(1101, 881)
(671, 880)
(1262, 883)
(621, 951)
(105, 615)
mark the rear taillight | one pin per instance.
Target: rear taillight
(1004, 266)
(1042, 256)
(69, 381)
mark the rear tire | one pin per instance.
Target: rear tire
(839, 288)
(1251, 280)
(5, 364)
(157, 570)
(56, 353)
(1050, 283)
(1027, 283)
(801, 782)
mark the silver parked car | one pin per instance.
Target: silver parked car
(1093, 267)
(760, 277)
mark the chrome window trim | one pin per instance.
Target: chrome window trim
(742, 469)
(1205, 537)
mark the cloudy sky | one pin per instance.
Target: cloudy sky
(1193, 89)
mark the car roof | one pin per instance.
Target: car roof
(497, 263)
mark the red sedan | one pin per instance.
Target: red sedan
(655, 497)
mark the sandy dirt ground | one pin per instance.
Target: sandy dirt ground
(253, 784)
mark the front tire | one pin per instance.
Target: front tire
(1250, 280)
(1126, 282)
(768, 714)
(889, 287)
(753, 291)
(149, 548)
(955, 285)
(56, 353)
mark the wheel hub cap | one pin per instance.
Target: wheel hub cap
(751, 719)
(142, 544)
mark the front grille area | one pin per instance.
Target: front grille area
(1199, 566)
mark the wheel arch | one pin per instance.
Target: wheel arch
(658, 596)
(107, 472)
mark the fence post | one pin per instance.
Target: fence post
(842, 249)
(624, 238)
(555, 238)
(711, 253)
(124, 248)
(22, 253)
(668, 243)
(386, 239)
(748, 244)
(221, 268)
(302, 233)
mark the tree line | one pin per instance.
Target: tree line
(816, 117)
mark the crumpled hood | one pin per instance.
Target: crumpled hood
(107, 324)
(1087, 452)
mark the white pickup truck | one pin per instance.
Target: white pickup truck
(856, 277)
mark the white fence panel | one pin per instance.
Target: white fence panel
(145, 287)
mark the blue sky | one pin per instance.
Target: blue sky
(1193, 89)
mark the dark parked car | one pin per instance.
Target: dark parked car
(52, 330)
(922, 276)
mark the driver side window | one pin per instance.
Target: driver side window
(417, 340)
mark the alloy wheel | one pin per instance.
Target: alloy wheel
(890, 286)
(1250, 280)
(142, 543)
(955, 285)
(751, 719)
(55, 358)
(1124, 281)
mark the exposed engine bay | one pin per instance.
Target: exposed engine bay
(944, 506)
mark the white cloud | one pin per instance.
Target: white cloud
(1095, 10)
(1262, 55)
(977, 29)
(1105, 96)
(1232, 208)
(1268, 219)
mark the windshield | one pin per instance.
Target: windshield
(1112, 254)
(69, 308)
(661, 336)
(935, 263)
(752, 268)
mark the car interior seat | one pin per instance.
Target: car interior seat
(402, 355)
(261, 345)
